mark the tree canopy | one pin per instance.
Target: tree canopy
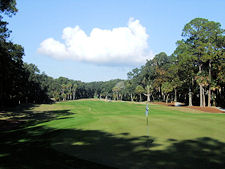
(193, 74)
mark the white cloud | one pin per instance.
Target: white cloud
(123, 45)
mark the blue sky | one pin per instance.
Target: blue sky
(103, 40)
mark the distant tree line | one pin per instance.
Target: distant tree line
(193, 74)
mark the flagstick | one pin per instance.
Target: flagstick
(147, 120)
(147, 125)
(147, 133)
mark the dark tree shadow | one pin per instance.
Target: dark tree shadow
(31, 149)
(122, 152)
(24, 114)
(42, 147)
(46, 148)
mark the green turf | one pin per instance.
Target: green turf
(115, 134)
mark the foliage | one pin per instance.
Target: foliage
(197, 64)
(139, 89)
(167, 87)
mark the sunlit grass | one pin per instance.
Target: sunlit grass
(114, 134)
(121, 117)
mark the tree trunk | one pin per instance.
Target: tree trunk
(201, 88)
(175, 95)
(167, 96)
(190, 97)
(210, 76)
(164, 97)
(1, 92)
(148, 97)
(148, 93)
(213, 96)
(203, 97)
(160, 94)
(209, 97)
(140, 98)
(131, 97)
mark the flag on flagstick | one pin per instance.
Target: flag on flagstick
(146, 113)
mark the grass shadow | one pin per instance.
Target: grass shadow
(122, 152)
(24, 116)
(46, 148)
(41, 147)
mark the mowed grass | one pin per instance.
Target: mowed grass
(115, 134)
(121, 117)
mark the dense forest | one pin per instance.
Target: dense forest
(194, 74)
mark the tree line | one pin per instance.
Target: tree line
(194, 74)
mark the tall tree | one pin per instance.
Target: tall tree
(8, 7)
(129, 86)
(139, 90)
(185, 68)
(160, 61)
(149, 90)
(167, 88)
(74, 89)
(202, 36)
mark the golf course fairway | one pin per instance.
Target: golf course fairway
(115, 134)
